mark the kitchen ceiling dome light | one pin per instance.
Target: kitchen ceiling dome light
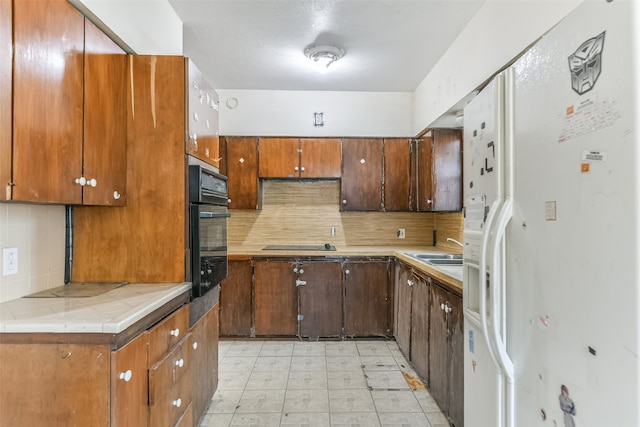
(323, 55)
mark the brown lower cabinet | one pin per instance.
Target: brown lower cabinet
(164, 376)
(306, 298)
(367, 298)
(429, 332)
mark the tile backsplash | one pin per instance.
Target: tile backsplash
(38, 231)
(296, 212)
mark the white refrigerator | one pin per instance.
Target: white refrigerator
(552, 212)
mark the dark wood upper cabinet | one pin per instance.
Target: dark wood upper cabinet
(361, 187)
(68, 144)
(240, 164)
(439, 171)
(299, 158)
(105, 118)
(397, 174)
(47, 102)
(279, 157)
(320, 158)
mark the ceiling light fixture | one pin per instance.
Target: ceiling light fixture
(323, 55)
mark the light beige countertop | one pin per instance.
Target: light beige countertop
(111, 312)
(450, 275)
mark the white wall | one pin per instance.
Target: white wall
(497, 33)
(38, 233)
(290, 113)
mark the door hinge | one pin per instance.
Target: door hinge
(300, 317)
(301, 282)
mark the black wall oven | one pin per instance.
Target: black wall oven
(208, 199)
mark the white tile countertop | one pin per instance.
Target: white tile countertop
(111, 312)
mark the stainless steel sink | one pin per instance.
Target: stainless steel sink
(438, 259)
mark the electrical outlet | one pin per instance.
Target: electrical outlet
(9, 261)
(400, 233)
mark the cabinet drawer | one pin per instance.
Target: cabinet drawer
(167, 334)
(169, 407)
(169, 371)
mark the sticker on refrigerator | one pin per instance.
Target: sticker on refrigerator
(472, 347)
(585, 64)
(475, 212)
(550, 211)
(594, 156)
(589, 116)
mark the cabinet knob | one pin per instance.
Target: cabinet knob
(442, 307)
(228, 200)
(195, 345)
(295, 270)
(347, 272)
(344, 201)
(126, 376)
(116, 195)
(180, 363)
(177, 403)
(302, 169)
(174, 332)
(241, 160)
(296, 169)
(82, 180)
(301, 271)
(429, 202)
(209, 271)
(362, 161)
(92, 182)
(410, 282)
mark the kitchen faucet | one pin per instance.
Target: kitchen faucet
(449, 239)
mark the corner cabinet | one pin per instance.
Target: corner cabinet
(76, 154)
(438, 181)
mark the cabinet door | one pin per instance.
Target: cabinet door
(235, 300)
(204, 361)
(320, 293)
(320, 158)
(275, 298)
(54, 385)
(6, 88)
(420, 343)
(447, 169)
(424, 181)
(105, 119)
(404, 284)
(397, 174)
(47, 101)
(366, 299)
(202, 117)
(361, 187)
(439, 348)
(279, 158)
(129, 384)
(456, 379)
(242, 172)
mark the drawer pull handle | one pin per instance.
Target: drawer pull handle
(180, 363)
(177, 403)
(175, 332)
(126, 376)
(195, 345)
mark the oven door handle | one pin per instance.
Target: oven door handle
(214, 215)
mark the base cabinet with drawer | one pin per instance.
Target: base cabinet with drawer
(81, 380)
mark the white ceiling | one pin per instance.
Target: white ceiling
(391, 45)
